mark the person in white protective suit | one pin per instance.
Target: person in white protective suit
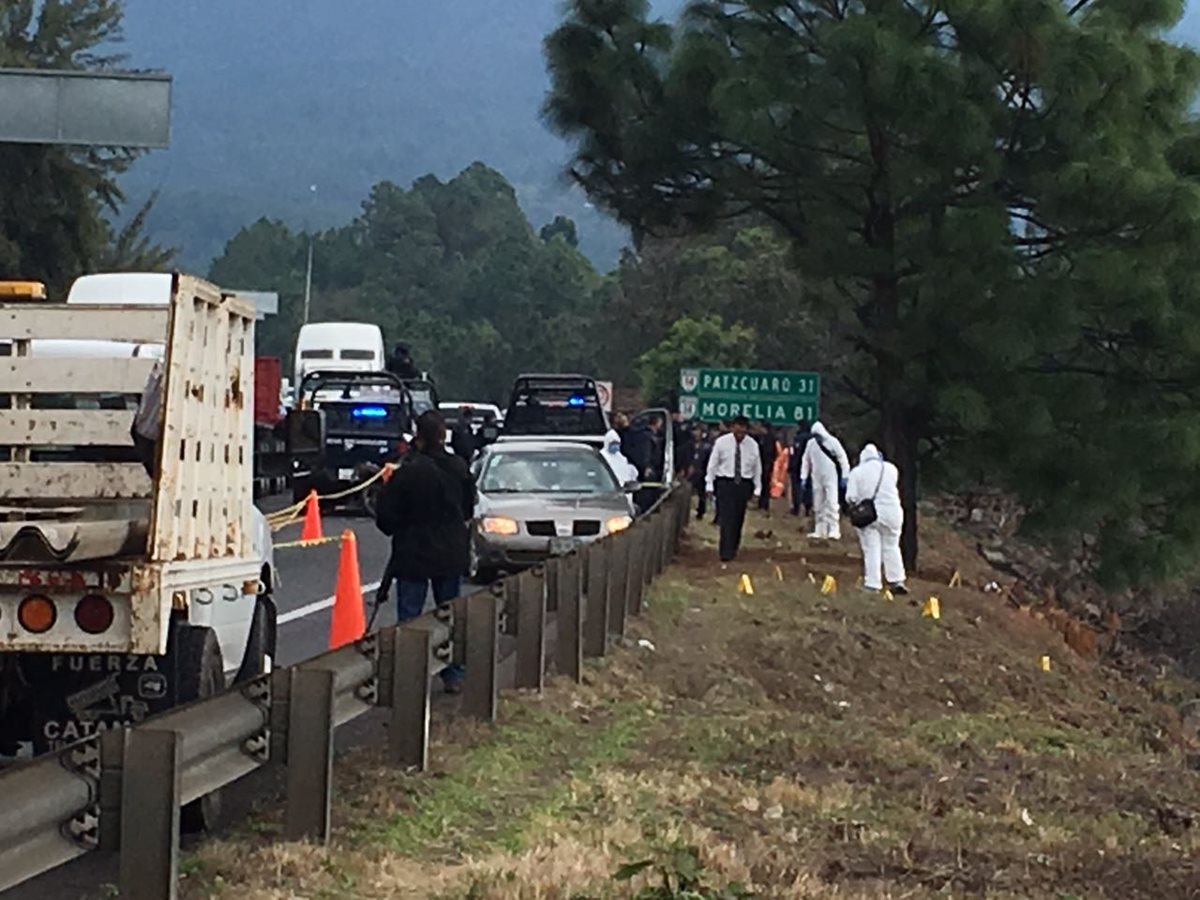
(826, 463)
(877, 480)
(622, 467)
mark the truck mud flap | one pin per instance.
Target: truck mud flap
(71, 696)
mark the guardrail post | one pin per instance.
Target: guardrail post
(618, 584)
(650, 556)
(310, 755)
(636, 586)
(150, 799)
(683, 514)
(112, 772)
(550, 573)
(595, 627)
(666, 529)
(408, 731)
(570, 618)
(530, 589)
(458, 631)
(482, 656)
(654, 545)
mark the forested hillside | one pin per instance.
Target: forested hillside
(455, 269)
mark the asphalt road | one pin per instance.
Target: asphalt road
(305, 598)
(309, 577)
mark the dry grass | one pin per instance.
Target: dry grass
(806, 746)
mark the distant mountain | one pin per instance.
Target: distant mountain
(275, 96)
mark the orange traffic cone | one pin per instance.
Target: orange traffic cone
(312, 519)
(349, 622)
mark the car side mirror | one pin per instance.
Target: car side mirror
(631, 487)
(305, 432)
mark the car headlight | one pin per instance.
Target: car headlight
(499, 525)
(618, 523)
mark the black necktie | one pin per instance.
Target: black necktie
(737, 461)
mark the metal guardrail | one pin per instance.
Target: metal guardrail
(122, 792)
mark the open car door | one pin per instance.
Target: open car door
(656, 462)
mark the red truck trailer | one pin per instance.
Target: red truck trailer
(270, 456)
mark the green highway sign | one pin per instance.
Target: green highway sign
(780, 398)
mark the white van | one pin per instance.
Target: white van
(339, 347)
(117, 288)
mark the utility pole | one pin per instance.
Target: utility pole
(312, 199)
(308, 281)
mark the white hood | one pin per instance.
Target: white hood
(869, 454)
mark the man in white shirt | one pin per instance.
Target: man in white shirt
(734, 476)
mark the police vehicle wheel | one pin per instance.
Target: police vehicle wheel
(201, 675)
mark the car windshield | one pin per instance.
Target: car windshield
(556, 471)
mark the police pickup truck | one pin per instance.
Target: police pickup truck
(346, 427)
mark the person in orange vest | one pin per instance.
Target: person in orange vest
(767, 449)
(779, 474)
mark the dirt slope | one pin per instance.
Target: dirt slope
(800, 744)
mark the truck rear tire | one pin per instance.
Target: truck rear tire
(201, 673)
(260, 642)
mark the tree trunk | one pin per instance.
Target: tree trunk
(900, 447)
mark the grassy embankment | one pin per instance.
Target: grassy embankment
(798, 744)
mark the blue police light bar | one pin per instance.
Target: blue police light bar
(369, 412)
(576, 400)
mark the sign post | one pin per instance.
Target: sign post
(778, 398)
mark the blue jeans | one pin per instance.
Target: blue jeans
(410, 604)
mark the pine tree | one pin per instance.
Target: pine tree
(1001, 193)
(56, 201)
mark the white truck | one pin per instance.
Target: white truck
(122, 594)
(339, 347)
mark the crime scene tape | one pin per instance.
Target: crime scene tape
(318, 542)
(293, 513)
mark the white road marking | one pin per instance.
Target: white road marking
(320, 606)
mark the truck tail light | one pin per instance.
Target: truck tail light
(94, 614)
(37, 614)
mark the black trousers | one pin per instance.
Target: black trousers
(731, 501)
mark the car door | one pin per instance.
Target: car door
(664, 455)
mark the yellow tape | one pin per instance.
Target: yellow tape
(317, 543)
(293, 513)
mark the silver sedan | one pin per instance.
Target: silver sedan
(539, 499)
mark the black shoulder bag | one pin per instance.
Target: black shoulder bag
(862, 512)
